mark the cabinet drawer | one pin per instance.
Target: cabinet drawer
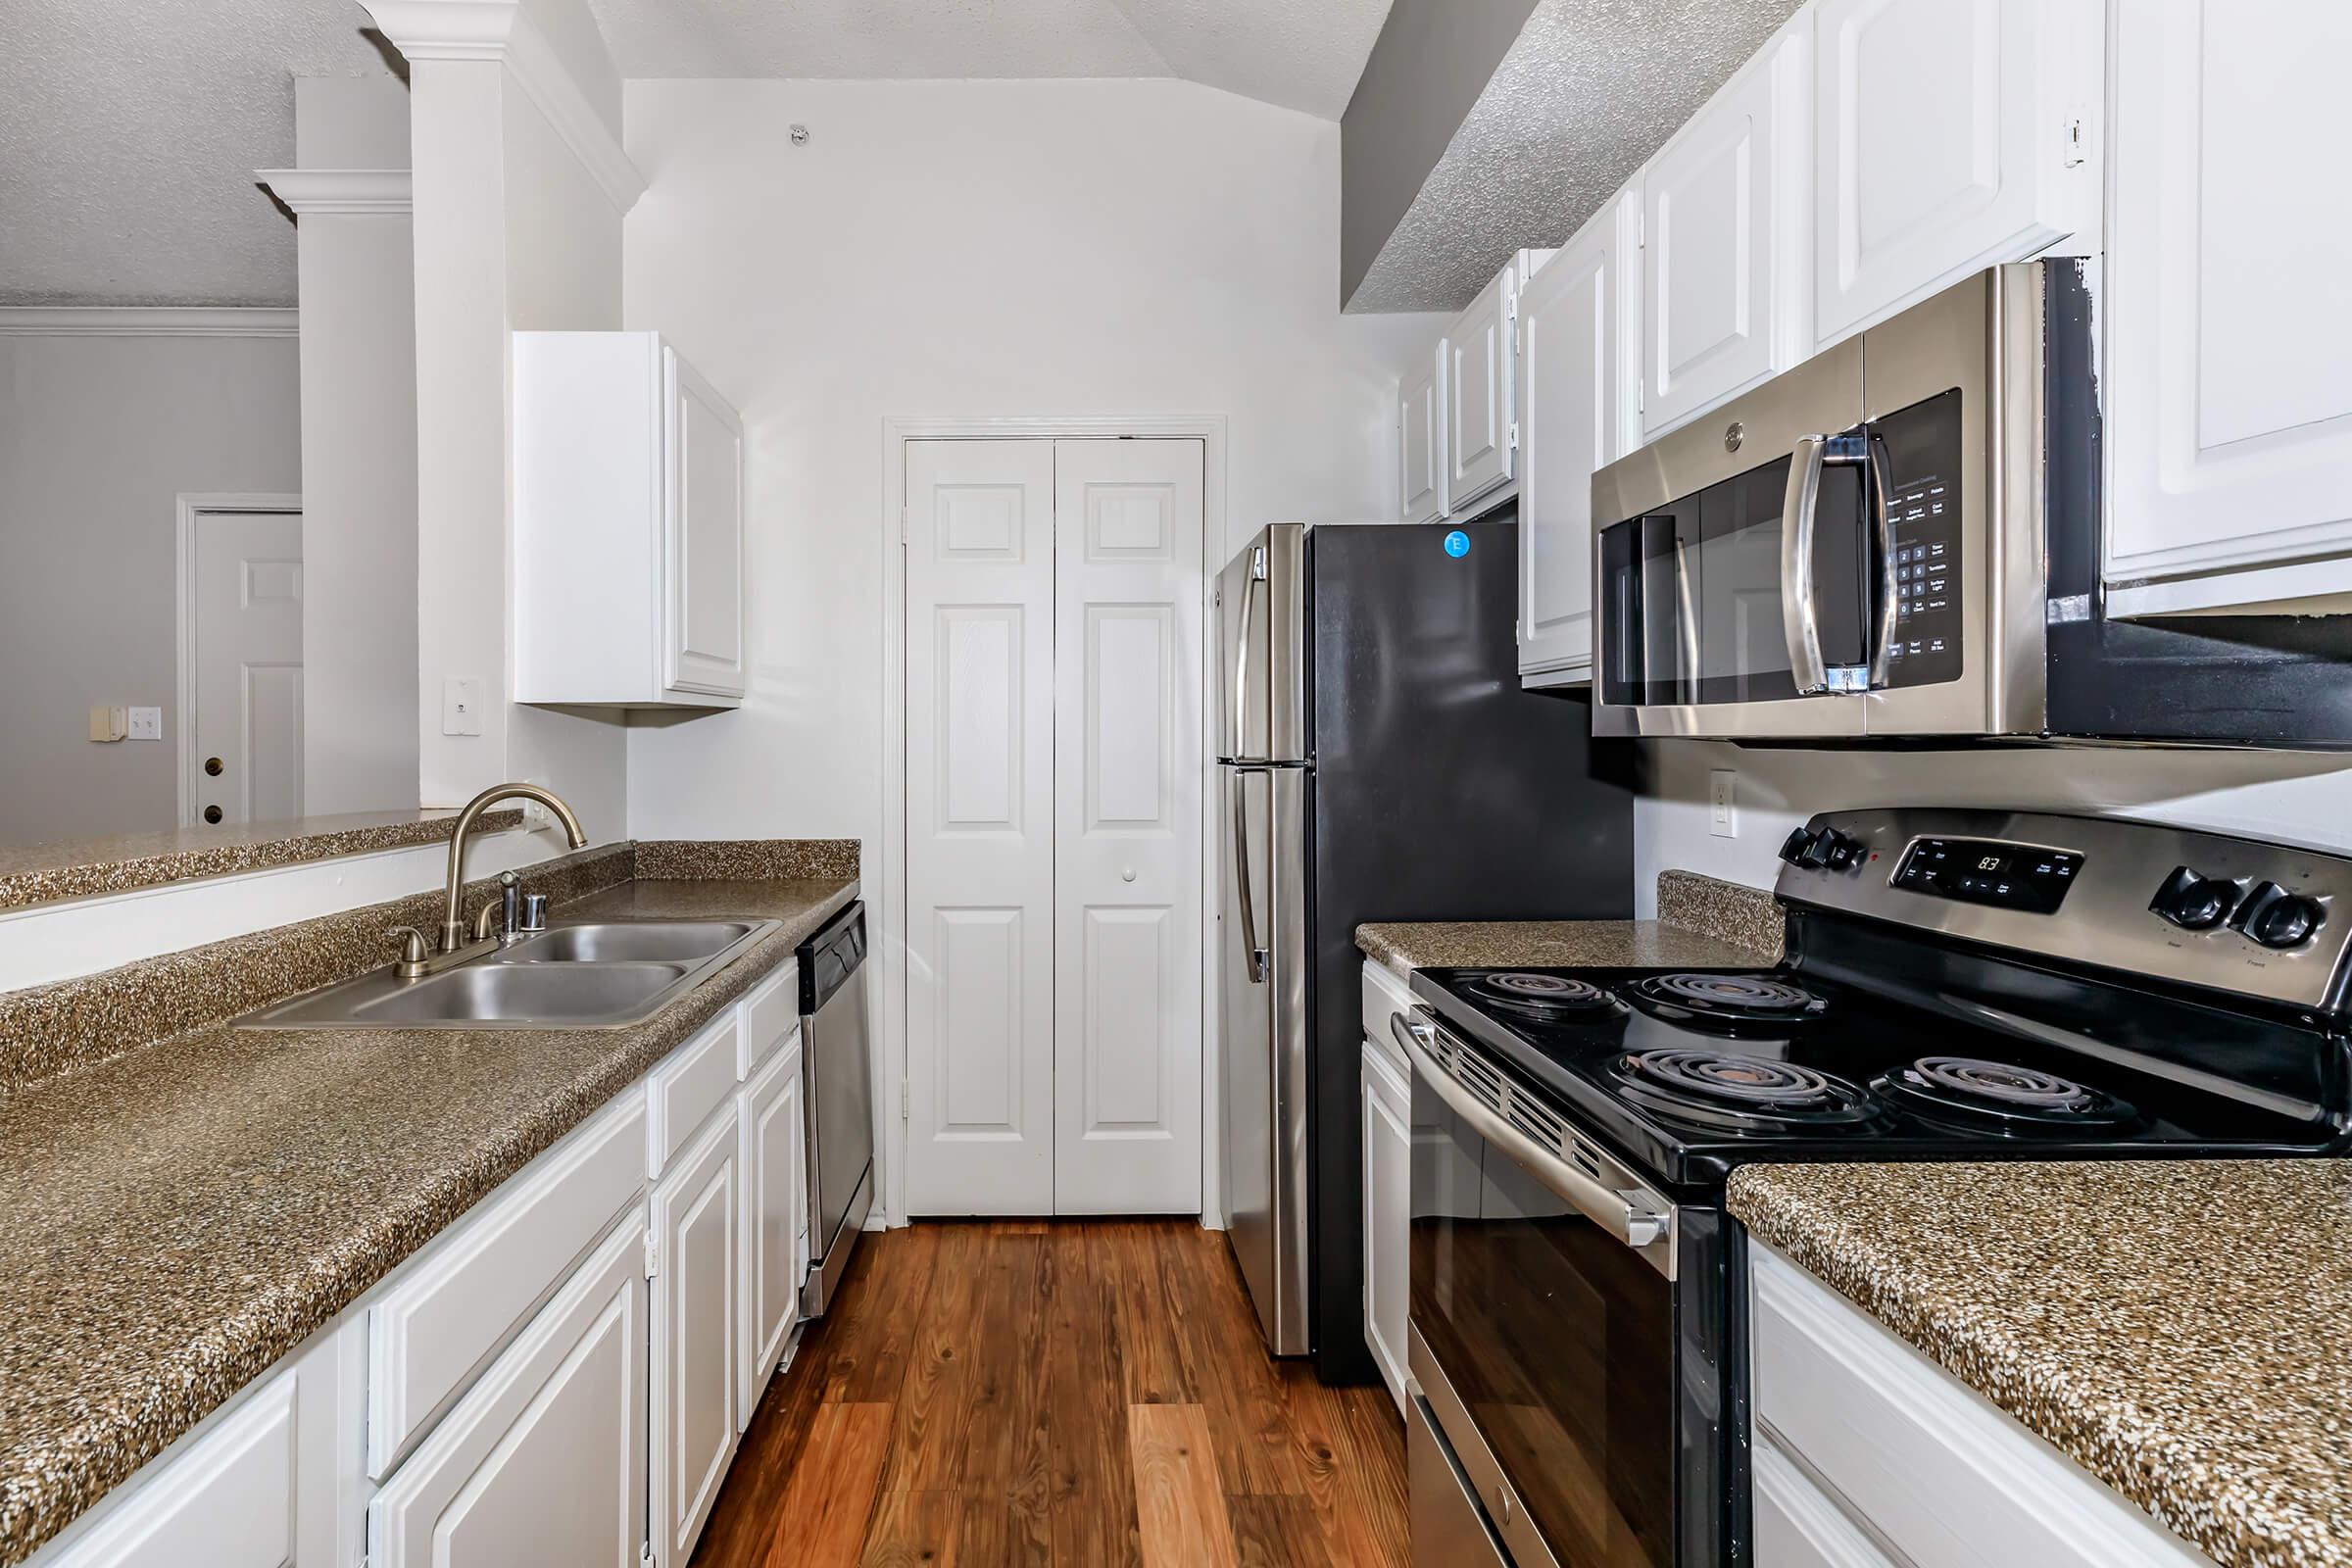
(691, 1083)
(1937, 1471)
(455, 1305)
(1797, 1525)
(228, 1502)
(1385, 994)
(770, 1013)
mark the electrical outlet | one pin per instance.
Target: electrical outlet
(462, 706)
(1723, 803)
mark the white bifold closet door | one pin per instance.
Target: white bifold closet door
(1054, 779)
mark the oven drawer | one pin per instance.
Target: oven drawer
(1450, 1529)
(1932, 1468)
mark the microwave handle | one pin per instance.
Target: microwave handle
(1800, 619)
(1880, 479)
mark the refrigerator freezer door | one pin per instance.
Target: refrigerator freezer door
(1264, 1059)
(1261, 697)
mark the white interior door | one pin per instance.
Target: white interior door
(245, 644)
(980, 827)
(1127, 776)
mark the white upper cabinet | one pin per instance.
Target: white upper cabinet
(1480, 357)
(1948, 135)
(1577, 325)
(1421, 442)
(1726, 236)
(627, 573)
(2228, 308)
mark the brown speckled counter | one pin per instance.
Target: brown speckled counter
(178, 1217)
(1704, 924)
(2176, 1327)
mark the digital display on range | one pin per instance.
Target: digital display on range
(2010, 876)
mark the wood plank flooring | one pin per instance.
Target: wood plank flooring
(1073, 1392)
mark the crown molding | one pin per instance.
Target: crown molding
(497, 31)
(145, 320)
(339, 191)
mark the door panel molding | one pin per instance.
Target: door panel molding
(190, 507)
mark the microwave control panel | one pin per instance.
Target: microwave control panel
(1920, 446)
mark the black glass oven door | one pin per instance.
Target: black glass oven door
(1558, 1339)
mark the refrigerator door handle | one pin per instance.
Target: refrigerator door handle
(1241, 650)
(1254, 957)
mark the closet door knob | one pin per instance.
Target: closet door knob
(1127, 874)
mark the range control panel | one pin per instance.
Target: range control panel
(2173, 903)
(2015, 877)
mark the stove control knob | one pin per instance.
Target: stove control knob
(1841, 850)
(1826, 850)
(1797, 846)
(2278, 918)
(2196, 902)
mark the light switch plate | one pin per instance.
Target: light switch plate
(1723, 803)
(462, 706)
(146, 723)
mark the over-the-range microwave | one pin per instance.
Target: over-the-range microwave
(1899, 538)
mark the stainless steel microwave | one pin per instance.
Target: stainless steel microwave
(1853, 549)
(1901, 538)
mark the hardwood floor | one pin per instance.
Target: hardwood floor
(1078, 1392)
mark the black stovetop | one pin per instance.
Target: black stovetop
(1649, 1064)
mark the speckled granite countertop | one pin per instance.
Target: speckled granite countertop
(2176, 1327)
(175, 1219)
(1703, 923)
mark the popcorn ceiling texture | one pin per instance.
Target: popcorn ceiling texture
(1300, 54)
(207, 1202)
(2173, 1326)
(128, 136)
(1588, 91)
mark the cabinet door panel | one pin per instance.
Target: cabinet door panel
(705, 528)
(1478, 393)
(1388, 1214)
(1725, 274)
(776, 1216)
(540, 1465)
(226, 1502)
(1572, 410)
(696, 1212)
(1940, 144)
(2229, 336)
(1421, 442)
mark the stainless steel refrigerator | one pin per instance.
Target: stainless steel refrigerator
(1377, 760)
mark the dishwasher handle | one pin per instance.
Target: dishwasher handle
(828, 958)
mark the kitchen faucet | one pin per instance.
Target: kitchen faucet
(414, 959)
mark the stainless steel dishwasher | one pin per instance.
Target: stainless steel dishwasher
(838, 1088)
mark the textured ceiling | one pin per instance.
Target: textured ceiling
(1588, 91)
(1301, 54)
(130, 131)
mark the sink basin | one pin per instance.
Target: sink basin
(520, 993)
(602, 975)
(628, 941)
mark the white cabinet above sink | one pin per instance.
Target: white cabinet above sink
(627, 570)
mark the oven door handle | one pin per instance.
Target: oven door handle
(1636, 1224)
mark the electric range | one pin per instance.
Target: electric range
(1959, 985)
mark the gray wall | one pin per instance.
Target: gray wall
(1433, 59)
(98, 438)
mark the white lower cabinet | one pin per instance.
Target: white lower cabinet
(1923, 1469)
(539, 1465)
(557, 1381)
(775, 1220)
(697, 1266)
(1387, 1113)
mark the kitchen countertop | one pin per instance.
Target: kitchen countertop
(1549, 945)
(179, 1217)
(2175, 1327)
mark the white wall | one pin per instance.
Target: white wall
(512, 233)
(2301, 797)
(359, 460)
(98, 438)
(971, 248)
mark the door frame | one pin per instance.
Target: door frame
(191, 508)
(889, 899)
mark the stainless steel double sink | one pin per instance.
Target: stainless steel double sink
(591, 975)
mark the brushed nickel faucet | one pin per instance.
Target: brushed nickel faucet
(455, 948)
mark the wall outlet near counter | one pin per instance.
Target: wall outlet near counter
(1723, 803)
